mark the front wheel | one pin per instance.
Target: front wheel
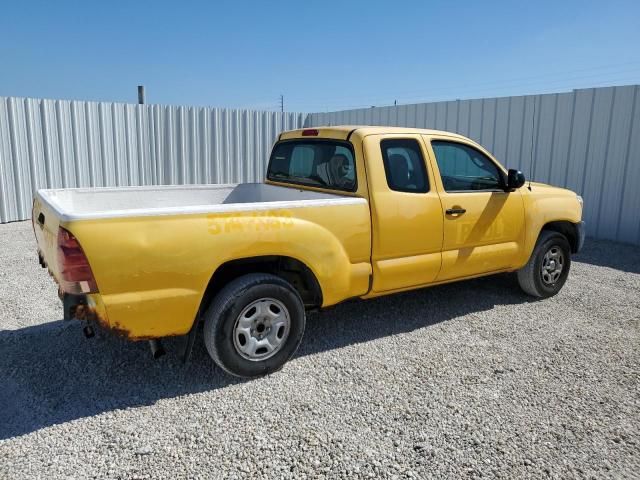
(254, 325)
(548, 267)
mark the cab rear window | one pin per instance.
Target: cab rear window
(315, 163)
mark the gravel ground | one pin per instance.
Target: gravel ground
(464, 380)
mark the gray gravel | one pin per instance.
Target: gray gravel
(465, 380)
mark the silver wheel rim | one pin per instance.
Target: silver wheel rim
(552, 265)
(261, 329)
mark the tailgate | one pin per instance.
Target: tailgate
(45, 226)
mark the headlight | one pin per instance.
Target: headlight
(580, 201)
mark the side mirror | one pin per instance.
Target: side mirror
(515, 179)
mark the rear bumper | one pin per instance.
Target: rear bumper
(581, 231)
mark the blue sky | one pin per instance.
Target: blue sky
(321, 56)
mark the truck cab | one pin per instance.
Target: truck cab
(442, 207)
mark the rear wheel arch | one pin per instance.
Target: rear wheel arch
(254, 325)
(291, 270)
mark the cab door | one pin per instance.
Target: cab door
(483, 225)
(405, 211)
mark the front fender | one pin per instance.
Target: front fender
(545, 204)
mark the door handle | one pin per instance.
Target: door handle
(455, 211)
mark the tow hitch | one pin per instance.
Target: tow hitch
(76, 307)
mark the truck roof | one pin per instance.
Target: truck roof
(345, 131)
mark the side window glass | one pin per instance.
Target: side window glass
(463, 168)
(404, 165)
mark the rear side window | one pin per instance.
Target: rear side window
(404, 165)
(315, 163)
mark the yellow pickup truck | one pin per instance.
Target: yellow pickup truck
(344, 212)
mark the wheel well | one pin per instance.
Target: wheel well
(567, 229)
(289, 269)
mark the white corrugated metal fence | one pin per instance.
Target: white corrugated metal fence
(586, 140)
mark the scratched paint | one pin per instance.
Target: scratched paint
(261, 221)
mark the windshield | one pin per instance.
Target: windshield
(316, 163)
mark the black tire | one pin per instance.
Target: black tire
(531, 278)
(224, 311)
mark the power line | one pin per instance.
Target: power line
(506, 90)
(460, 97)
(503, 82)
(529, 77)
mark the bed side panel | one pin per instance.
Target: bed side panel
(152, 271)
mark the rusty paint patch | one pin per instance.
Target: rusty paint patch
(127, 334)
(90, 314)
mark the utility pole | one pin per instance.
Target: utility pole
(140, 94)
(282, 103)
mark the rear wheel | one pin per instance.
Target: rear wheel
(254, 325)
(548, 267)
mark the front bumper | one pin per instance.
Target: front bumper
(581, 231)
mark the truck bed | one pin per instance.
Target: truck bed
(93, 203)
(153, 250)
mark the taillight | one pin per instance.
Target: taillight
(75, 273)
(310, 132)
